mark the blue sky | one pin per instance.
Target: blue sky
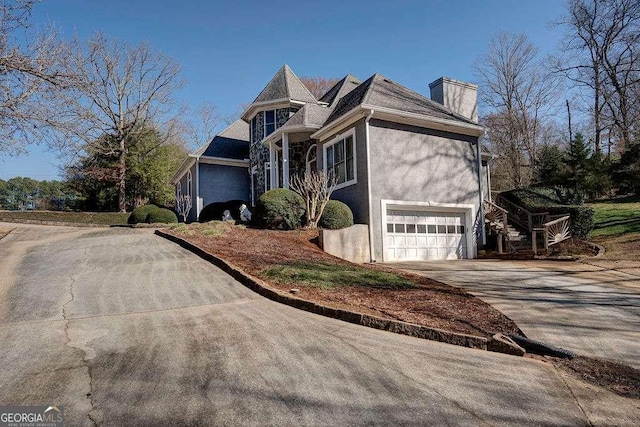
(229, 50)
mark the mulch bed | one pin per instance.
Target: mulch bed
(430, 303)
(573, 247)
(620, 379)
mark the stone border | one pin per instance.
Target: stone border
(375, 322)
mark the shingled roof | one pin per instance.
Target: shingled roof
(344, 86)
(310, 116)
(379, 91)
(285, 84)
(231, 143)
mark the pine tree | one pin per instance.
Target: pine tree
(577, 161)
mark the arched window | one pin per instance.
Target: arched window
(312, 164)
(189, 185)
(178, 192)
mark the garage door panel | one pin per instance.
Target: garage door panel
(425, 234)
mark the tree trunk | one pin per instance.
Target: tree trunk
(122, 177)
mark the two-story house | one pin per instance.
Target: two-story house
(408, 166)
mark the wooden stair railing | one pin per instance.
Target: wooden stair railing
(496, 216)
(521, 216)
(553, 232)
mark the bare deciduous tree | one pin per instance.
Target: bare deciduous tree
(603, 37)
(318, 86)
(119, 91)
(31, 74)
(183, 206)
(202, 124)
(518, 91)
(315, 188)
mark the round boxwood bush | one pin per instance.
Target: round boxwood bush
(214, 211)
(139, 214)
(152, 214)
(336, 215)
(161, 215)
(280, 209)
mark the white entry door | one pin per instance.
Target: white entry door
(425, 235)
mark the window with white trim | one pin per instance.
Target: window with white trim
(253, 172)
(189, 185)
(340, 159)
(269, 122)
(311, 160)
(267, 177)
(178, 191)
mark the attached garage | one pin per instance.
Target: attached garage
(425, 233)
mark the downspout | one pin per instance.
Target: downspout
(371, 246)
(480, 208)
(197, 189)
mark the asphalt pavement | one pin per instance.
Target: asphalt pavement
(121, 327)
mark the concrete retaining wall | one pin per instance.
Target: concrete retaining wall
(351, 243)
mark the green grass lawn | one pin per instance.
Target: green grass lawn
(616, 216)
(98, 218)
(326, 276)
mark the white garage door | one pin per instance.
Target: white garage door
(425, 235)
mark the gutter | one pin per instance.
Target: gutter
(371, 246)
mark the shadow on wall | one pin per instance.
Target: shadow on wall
(448, 171)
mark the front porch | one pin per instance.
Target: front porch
(292, 155)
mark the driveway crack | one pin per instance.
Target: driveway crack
(559, 375)
(67, 320)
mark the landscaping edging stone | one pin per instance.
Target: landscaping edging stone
(375, 322)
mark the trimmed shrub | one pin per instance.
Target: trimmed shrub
(280, 209)
(161, 215)
(336, 215)
(555, 201)
(139, 214)
(214, 211)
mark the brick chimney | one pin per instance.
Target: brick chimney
(460, 97)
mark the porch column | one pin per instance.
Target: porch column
(285, 160)
(273, 167)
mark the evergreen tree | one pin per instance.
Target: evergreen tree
(627, 169)
(550, 169)
(577, 161)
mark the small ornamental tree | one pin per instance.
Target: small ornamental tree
(315, 188)
(183, 206)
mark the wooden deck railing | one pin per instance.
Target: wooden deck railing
(553, 232)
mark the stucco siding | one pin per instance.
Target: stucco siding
(355, 196)
(420, 165)
(220, 183)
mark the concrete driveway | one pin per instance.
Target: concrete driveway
(580, 307)
(124, 328)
